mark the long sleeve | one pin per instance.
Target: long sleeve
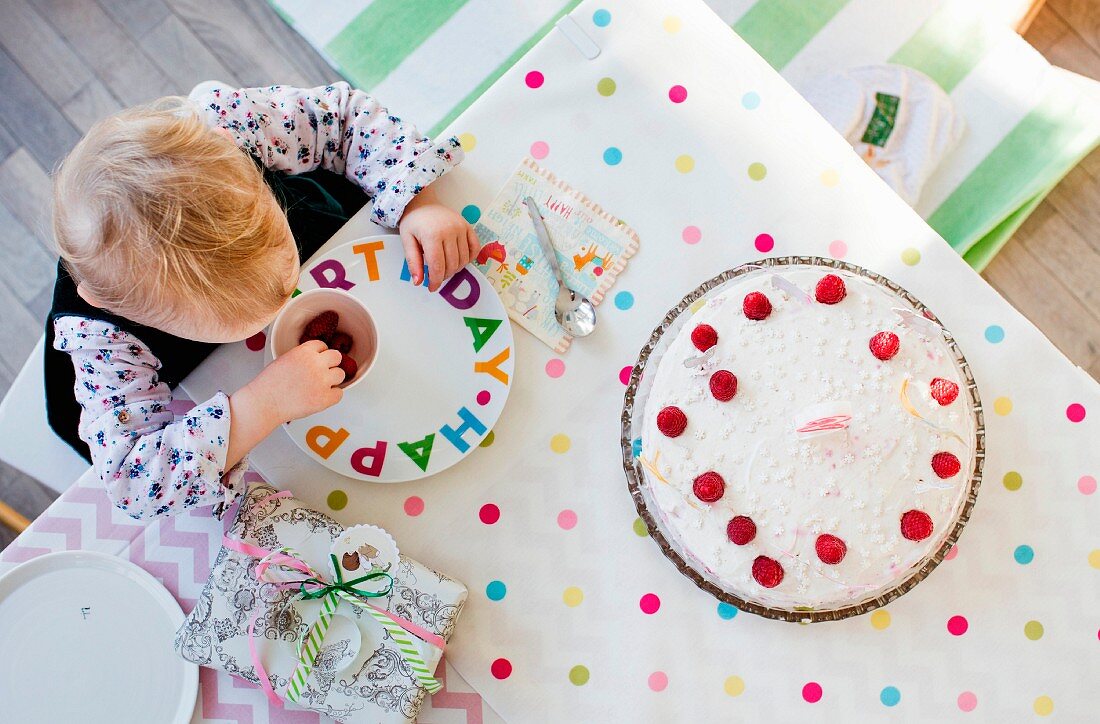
(338, 129)
(150, 464)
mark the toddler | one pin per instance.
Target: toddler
(182, 224)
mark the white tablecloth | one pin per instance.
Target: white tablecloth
(1031, 552)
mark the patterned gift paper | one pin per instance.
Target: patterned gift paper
(574, 616)
(1028, 123)
(593, 248)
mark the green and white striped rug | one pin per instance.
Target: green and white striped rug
(1028, 123)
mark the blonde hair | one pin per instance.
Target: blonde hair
(163, 218)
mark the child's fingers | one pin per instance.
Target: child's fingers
(331, 358)
(454, 259)
(473, 242)
(413, 256)
(334, 377)
(463, 249)
(437, 264)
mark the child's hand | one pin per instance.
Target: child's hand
(433, 234)
(300, 382)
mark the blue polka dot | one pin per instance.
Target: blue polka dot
(1023, 555)
(601, 18)
(496, 590)
(994, 333)
(624, 300)
(890, 696)
(471, 213)
(612, 156)
(750, 100)
(726, 611)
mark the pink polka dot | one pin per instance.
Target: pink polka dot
(649, 603)
(483, 397)
(489, 513)
(534, 79)
(501, 668)
(838, 249)
(764, 243)
(1075, 412)
(414, 506)
(1087, 485)
(951, 553)
(658, 680)
(677, 94)
(256, 342)
(555, 368)
(811, 692)
(597, 270)
(539, 149)
(957, 625)
(624, 375)
(967, 701)
(567, 519)
(691, 235)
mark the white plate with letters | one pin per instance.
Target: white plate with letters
(87, 637)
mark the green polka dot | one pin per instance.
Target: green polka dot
(757, 171)
(578, 675)
(1013, 480)
(1033, 630)
(910, 256)
(487, 440)
(639, 528)
(605, 87)
(337, 499)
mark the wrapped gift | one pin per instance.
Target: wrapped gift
(335, 620)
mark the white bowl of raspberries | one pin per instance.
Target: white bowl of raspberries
(334, 317)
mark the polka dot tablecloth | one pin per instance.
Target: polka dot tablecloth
(679, 128)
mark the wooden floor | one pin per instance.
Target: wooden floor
(66, 63)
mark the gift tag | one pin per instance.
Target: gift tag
(363, 547)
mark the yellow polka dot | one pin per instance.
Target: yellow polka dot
(757, 171)
(684, 163)
(337, 499)
(830, 178)
(910, 256)
(639, 528)
(1013, 480)
(880, 619)
(1002, 406)
(1033, 630)
(672, 24)
(1094, 559)
(734, 685)
(468, 141)
(560, 443)
(572, 596)
(605, 86)
(487, 440)
(1044, 706)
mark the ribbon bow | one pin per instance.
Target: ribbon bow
(329, 593)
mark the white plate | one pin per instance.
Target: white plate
(87, 637)
(434, 375)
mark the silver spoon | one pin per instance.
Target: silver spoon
(574, 312)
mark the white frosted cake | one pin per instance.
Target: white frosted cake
(808, 439)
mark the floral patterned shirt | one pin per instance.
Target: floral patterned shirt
(150, 462)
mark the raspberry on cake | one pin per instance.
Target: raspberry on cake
(704, 337)
(822, 453)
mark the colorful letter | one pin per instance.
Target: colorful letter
(333, 440)
(469, 422)
(473, 293)
(339, 275)
(419, 452)
(492, 367)
(377, 454)
(482, 329)
(406, 277)
(370, 255)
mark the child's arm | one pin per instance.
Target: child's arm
(349, 132)
(151, 465)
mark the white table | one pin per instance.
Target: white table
(694, 661)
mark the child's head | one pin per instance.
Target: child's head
(163, 220)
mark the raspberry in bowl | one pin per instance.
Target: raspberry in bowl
(336, 318)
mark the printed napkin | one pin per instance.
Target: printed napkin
(593, 247)
(362, 670)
